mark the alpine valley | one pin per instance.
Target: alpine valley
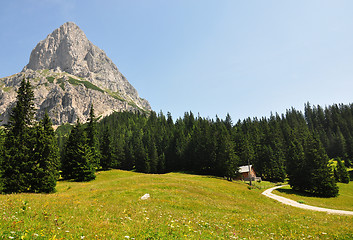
(68, 74)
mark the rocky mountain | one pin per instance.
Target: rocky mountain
(69, 74)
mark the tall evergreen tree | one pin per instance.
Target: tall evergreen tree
(228, 122)
(45, 158)
(141, 164)
(298, 170)
(342, 172)
(16, 167)
(77, 161)
(2, 140)
(106, 149)
(92, 137)
(320, 178)
(227, 159)
(118, 150)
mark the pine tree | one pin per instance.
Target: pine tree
(153, 157)
(106, 149)
(231, 161)
(77, 161)
(340, 144)
(228, 122)
(320, 178)
(128, 162)
(161, 163)
(298, 172)
(141, 162)
(118, 150)
(45, 158)
(2, 140)
(342, 173)
(16, 167)
(92, 137)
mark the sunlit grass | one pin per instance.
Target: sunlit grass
(181, 206)
(343, 202)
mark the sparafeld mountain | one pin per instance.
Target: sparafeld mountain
(69, 74)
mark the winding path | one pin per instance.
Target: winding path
(268, 193)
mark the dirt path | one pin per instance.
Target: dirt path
(268, 193)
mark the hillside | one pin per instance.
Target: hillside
(181, 206)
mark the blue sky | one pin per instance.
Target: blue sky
(245, 58)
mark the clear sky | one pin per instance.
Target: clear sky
(245, 58)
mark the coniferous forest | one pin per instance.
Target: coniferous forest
(295, 146)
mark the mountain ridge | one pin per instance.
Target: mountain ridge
(66, 65)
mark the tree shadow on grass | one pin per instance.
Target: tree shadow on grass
(294, 192)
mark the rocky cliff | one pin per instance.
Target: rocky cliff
(68, 74)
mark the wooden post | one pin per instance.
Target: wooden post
(249, 175)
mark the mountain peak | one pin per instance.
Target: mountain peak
(62, 49)
(70, 28)
(72, 24)
(69, 72)
(67, 49)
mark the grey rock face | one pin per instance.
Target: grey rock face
(69, 73)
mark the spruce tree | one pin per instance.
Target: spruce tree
(16, 167)
(118, 151)
(92, 137)
(161, 163)
(231, 161)
(228, 122)
(106, 149)
(77, 161)
(321, 181)
(298, 171)
(153, 157)
(2, 139)
(45, 158)
(139, 153)
(342, 173)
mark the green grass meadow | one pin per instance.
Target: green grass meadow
(181, 206)
(343, 202)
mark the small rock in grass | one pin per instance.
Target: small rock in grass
(145, 197)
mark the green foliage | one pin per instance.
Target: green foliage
(62, 133)
(30, 158)
(91, 130)
(87, 84)
(2, 140)
(50, 79)
(16, 166)
(310, 170)
(155, 145)
(77, 162)
(61, 82)
(275, 147)
(45, 158)
(115, 95)
(297, 168)
(7, 89)
(350, 173)
(341, 172)
(106, 150)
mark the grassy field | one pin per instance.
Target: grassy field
(181, 206)
(343, 202)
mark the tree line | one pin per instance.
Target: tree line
(294, 145)
(278, 147)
